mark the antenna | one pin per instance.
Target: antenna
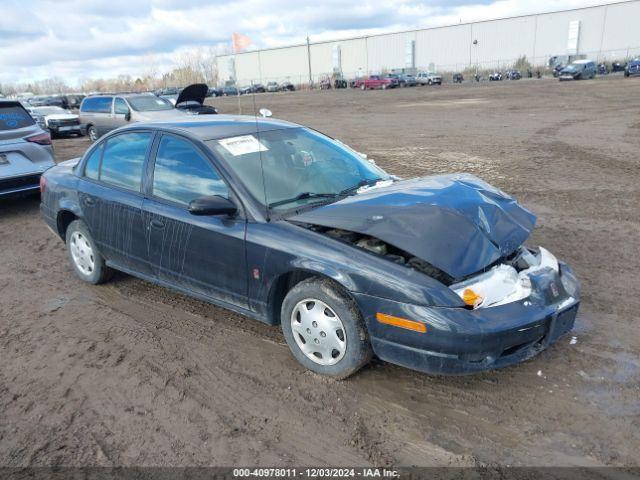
(255, 116)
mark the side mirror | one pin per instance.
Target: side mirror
(127, 116)
(265, 112)
(212, 205)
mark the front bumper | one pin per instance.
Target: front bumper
(460, 341)
(65, 129)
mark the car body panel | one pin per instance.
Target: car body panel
(457, 223)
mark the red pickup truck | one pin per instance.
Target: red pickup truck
(375, 81)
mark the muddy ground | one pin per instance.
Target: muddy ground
(132, 374)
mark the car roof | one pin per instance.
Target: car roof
(582, 61)
(212, 127)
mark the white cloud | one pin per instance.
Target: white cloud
(79, 39)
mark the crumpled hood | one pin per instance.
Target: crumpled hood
(458, 223)
(196, 92)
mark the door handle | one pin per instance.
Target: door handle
(157, 223)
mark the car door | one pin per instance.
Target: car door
(120, 113)
(110, 195)
(202, 254)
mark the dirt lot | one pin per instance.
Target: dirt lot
(132, 374)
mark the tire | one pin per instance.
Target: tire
(384, 86)
(363, 87)
(93, 133)
(337, 327)
(429, 82)
(84, 256)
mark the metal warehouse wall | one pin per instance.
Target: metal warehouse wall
(606, 32)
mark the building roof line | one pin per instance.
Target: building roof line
(413, 30)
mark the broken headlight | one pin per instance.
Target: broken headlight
(504, 283)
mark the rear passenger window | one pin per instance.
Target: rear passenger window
(182, 174)
(92, 167)
(96, 105)
(123, 159)
(14, 116)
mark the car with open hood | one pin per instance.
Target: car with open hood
(191, 100)
(293, 228)
(25, 150)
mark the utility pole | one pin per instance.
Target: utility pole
(309, 59)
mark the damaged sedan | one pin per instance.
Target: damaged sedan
(288, 226)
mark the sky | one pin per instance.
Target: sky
(76, 40)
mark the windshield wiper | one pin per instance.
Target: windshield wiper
(360, 184)
(303, 196)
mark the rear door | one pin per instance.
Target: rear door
(111, 198)
(203, 254)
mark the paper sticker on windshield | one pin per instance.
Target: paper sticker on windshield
(242, 145)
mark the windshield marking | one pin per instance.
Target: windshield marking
(242, 145)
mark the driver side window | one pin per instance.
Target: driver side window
(181, 174)
(121, 107)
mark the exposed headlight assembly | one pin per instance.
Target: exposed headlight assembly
(503, 283)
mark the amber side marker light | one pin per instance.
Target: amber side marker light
(401, 322)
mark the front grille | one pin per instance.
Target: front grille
(8, 184)
(64, 123)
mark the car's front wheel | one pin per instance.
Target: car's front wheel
(93, 133)
(87, 262)
(324, 329)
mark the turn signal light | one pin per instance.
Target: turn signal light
(471, 298)
(401, 322)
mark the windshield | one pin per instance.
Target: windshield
(300, 166)
(572, 68)
(50, 110)
(149, 103)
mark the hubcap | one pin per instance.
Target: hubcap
(92, 134)
(318, 332)
(82, 253)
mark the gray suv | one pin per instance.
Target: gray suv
(25, 150)
(100, 114)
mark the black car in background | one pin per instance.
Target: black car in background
(287, 86)
(229, 91)
(618, 66)
(191, 100)
(513, 75)
(458, 78)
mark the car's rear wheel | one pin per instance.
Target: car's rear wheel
(324, 329)
(93, 133)
(85, 258)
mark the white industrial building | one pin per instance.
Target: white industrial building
(604, 32)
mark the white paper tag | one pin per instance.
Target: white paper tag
(242, 145)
